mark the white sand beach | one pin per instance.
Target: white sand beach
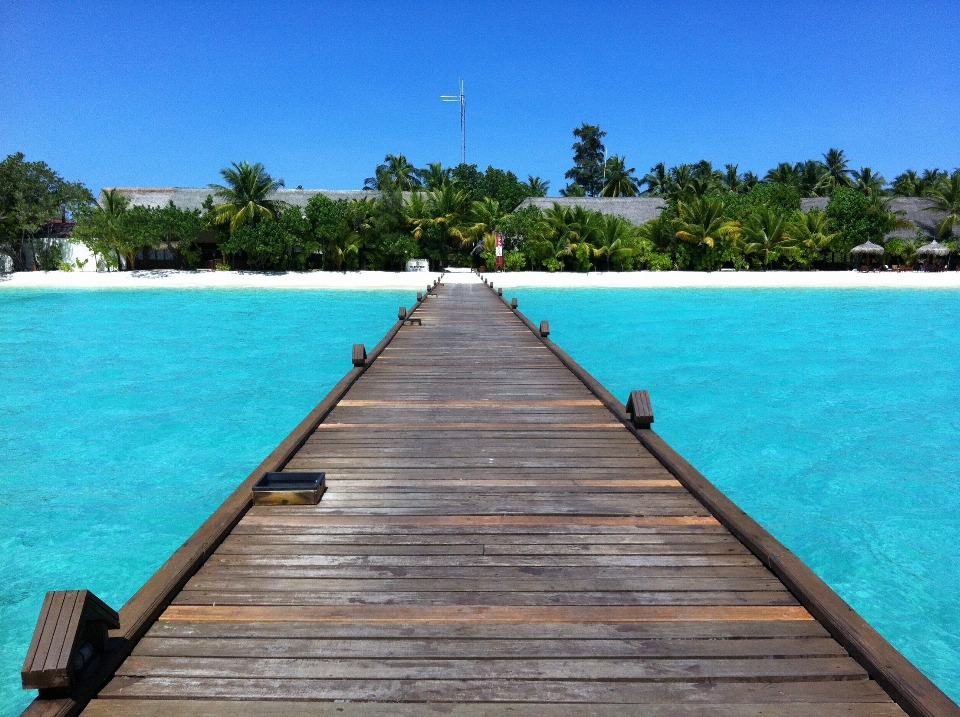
(369, 280)
(730, 280)
(172, 279)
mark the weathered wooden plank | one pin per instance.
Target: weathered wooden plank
(495, 573)
(445, 613)
(719, 630)
(228, 581)
(355, 549)
(505, 690)
(459, 648)
(473, 521)
(431, 598)
(637, 669)
(233, 708)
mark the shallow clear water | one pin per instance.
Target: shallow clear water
(831, 416)
(126, 417)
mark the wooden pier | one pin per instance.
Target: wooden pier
(496, 538)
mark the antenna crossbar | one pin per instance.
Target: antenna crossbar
(462, 99)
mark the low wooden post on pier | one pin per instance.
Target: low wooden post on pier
(359, 355)
(640, 409)
(544, 328)
(71, 632)
(489, 545)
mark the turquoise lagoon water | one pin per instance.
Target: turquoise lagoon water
(831, 416)
(126, 417)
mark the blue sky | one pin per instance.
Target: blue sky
(167, 93)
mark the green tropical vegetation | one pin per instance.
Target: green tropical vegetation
(708, 217)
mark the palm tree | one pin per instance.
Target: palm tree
(538, 187)
(811, 230)
(245, 195)
(681, 183)
(446, 210)
(837, 174)
(485, 214)
(612, 237)
(732, 181)
(946, 198)
(929, 179)
(572, 229)
(702, 222)
(868, 181)
(345, 243)
(810, 177)
(435, 175)
(108, 222)
(395, 173)
(657, 181)
(620, 180)
(660, 232)
(784, 173)
(906, 184)
(765, 233)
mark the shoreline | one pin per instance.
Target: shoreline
(374, 280)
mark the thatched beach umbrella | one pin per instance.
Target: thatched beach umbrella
(934, 248)
(933, 251)
(867, 249)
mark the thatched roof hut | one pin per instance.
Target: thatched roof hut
(868, 247)
(934, 248)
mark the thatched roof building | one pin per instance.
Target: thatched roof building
(637, 210)
(193, 198)
(914, 209)
(642, 209)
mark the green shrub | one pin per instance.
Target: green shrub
(515, 261)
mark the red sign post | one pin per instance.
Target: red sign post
(499, 251)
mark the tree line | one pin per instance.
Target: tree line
(711, 218)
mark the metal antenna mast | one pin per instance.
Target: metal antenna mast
(462, 99)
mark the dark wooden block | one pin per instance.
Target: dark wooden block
(359, 355)
(402, 313)
(513, 303)
(419, 296)
(544, 328)
(71, 631)
(640, 409)
(278, 488)
(500, 292)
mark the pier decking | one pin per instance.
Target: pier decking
(494, 540)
